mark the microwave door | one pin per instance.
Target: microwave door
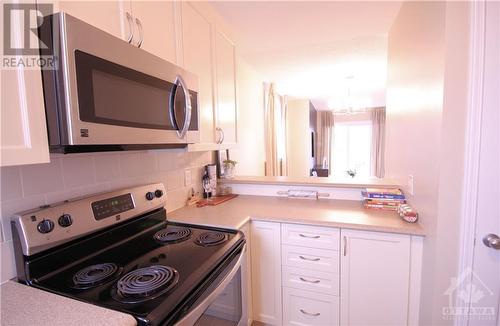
(180, 111)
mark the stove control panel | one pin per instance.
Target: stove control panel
(51, 225)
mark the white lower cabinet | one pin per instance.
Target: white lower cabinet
(266, 272)
(305, 308)
(375, 278)
(310, 275)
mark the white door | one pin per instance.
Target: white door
(374, 278)
(197, 46)
(226, 88)
(157, 21)
(485, 294)
(266, 272)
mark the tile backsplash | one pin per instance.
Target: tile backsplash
(68, 176)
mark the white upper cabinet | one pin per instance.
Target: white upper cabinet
(375, 282)
(154, 27)
(24, 132)
(106, 15)
(197, 46)
(226, 89)
(22, 120)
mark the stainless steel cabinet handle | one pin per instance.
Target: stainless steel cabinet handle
(309, 313)
(309, 259)
(141, 36)
(130, 27)
(345, 245)
(219, 135)
(492, 240)
(222, 133)
(309, 236)
(309, 281)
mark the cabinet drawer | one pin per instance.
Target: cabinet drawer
(306, 308)
(310, 280)
(310, 236)
(310, 258)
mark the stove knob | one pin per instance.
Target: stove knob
(150, 195)
(45, 226)
(65, 220)
(158, 193)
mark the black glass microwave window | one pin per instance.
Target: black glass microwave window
(109, 93)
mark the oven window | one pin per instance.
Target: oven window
(109, 93)
(226, 310)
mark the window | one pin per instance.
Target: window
(352, 148)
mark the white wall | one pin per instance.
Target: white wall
(298, 138)
(451, 157)
(426, 111)
(413, 118)
(68, 176)
(250, 152)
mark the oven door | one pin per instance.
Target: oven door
(116, 93)
(223, 302)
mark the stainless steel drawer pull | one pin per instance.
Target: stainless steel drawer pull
(309, 313)
(309, 259)
(309, 236)
(309, 281)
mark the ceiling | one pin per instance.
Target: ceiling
(316, 50)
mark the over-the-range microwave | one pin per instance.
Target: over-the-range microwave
(106, 94)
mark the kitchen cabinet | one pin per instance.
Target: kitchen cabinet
(306, 308)
(150, 23)
(266, 272)
(331, 276)
(157, 21)
(198, 57)
(226, 89)
(106, 15)
(375, 282)
(23, 129)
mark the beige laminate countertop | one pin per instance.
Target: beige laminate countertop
(312, 181)
(325, 212)
(24, 305)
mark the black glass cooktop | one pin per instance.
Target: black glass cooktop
(148, 268)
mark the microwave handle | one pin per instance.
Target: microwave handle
(179, 82)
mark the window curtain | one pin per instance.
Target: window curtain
(275, 111)
(325, 139)
(378, 142)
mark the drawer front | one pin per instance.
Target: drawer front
(310, 258)
(305, 308)
(309, 280)
(310, 236)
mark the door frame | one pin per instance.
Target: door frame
(477, 19)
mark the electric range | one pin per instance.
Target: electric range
(117, 250)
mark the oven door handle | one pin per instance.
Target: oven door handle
(191, 318)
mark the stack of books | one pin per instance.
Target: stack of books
(383, 198)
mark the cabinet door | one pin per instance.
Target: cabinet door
(374, 278)
(266, 272)
(226, 88)
(158, 27)
(106, 15)
(197, 46)
(23, 129)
